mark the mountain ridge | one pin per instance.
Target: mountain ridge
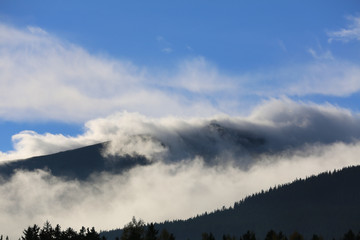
(327, 204)
(79, 163)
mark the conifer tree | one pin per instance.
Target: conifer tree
(92, 234)
(31, 233)
(133, 230)
(151, 232)
(70, 234)
(57, 232)
(249, 235)
(349, 235)
(47, 232)
(207, 236)
(296, 236)
(271, 235)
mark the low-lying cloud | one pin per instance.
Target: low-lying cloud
(195, 165)
(274, 126)
(155, 192)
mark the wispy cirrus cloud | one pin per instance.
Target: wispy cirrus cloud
(333, 78)
(164, 44)
(198, 75)
(351, 32)
(326, 55)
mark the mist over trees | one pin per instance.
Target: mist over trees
(319, 207)
(326, 205)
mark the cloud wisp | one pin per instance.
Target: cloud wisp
(352, 32)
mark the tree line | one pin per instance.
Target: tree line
(138, 230)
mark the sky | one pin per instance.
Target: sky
(66, 63)
(155, 78)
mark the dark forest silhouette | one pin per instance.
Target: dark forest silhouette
(137, 230)
(327, 204)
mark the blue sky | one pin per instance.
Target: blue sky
(65, 63)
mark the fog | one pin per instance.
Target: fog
(155, 192)
(195, 165)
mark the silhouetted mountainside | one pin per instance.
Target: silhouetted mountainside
(78, 163)
(327, 204)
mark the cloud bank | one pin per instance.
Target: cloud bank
(272, 127)
(196, 165)
(156, 192)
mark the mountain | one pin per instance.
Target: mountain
(327, 205)
(208, 141)
(74, 164)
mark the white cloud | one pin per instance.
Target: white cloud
(199, 76)
(352, 32)
(195, 163)
(327, 55)
(165, 45)
(167, 50)
(273, 126)
(29, 143)
(155, 192)
(43, 77)
(323, 76)
(336, 78)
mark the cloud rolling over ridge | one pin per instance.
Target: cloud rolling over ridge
(274, 126)
(195, 165)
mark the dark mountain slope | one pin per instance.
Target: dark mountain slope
(78, 163)
(328, 204)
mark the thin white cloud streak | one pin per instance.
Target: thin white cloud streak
(352, 32)
(327, 55)
(156, 192)
(199, 76)
(326, 77)
(165, 45)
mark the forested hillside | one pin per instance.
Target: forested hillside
(327, 204)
